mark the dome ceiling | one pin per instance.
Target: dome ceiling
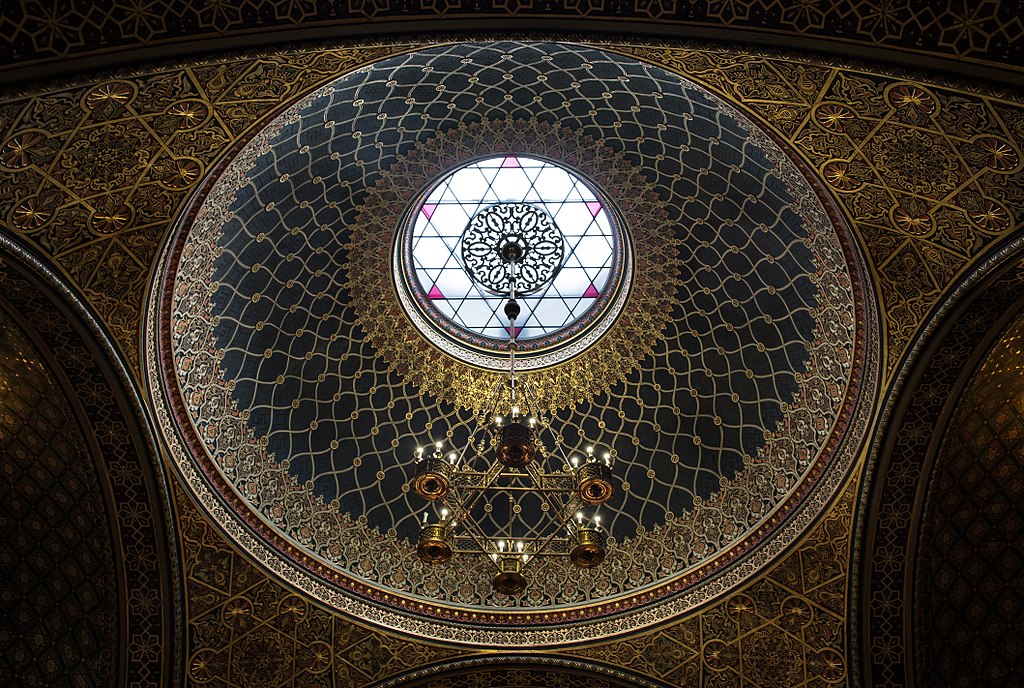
(733, 384)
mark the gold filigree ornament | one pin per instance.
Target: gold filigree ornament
(381, 220)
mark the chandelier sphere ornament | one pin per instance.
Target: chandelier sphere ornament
(506, 458)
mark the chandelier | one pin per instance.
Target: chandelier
(510, 250)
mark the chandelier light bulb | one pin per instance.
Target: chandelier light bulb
(453, 457)
(519, 545)
(425, 515)
(515, 411)
(439, 444)
(497, 420)
(579, 517)
(575, 461)
(501, 545)
(597, 520)
(444, 514)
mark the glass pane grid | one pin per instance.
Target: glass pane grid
(442, 219)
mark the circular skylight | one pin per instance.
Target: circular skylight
(453, 264)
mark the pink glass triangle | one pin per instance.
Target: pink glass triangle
(428, 209)
(435, 293)
(591, 292)
(518, 330)
(593, 206)
(510, 162)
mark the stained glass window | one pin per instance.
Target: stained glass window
(587, 230)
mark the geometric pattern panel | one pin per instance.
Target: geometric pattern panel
(930, 175)
(107, 483)
(94, 173)
(986, 30)
(438, 243)
(103, 227)
(107, 258)
(58, 586)
(785, 630)
(970, 571)
(891, 523)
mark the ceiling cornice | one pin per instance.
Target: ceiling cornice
(979, 40)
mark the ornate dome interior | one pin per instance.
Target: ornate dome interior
(780, 291)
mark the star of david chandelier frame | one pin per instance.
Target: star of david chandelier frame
(510, 250)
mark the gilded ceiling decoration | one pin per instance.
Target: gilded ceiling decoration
(792, 620)
(105, 241)
(631, 316)
(89, 583)
(930, 175)
(982, 31)
(63, 156)
(63, 153)
(754, 393)
(58, 511)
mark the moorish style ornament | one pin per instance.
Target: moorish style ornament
(316, 315)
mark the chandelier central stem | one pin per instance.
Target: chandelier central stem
(512, 253)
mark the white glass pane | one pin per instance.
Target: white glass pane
(432, 252)
(449, 220)
(435, 195)
(528, 163)
(554, 184)
(421, 223)
(573, 218)
(474, 314)
(593, 251)
(436, 244)
(551, 313)
(572, 282)
(583, 192)
(425, 278)
(468, 184)
(511, 185)
(601, 225)
(446, 308)
(454, 283)
(602, 278)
